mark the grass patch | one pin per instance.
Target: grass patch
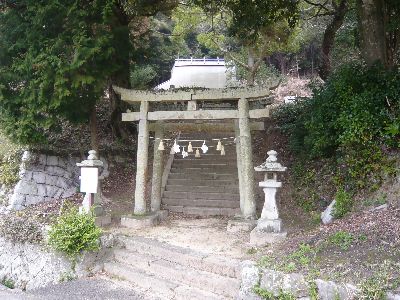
(268, 295)
(341, 239)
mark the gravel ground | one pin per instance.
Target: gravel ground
(97, 288)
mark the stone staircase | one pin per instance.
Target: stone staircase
(172, 272)
(205, 186)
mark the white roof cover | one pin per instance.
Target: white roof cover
(207, 73)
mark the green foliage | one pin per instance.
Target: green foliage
(265, 261)
(351, 118)
(67, 276)
(343, 204)
(74, 233)
(10, 156)
(251, 251)
(268, 295)
(341, 239)
(252, 17)
(380, 200)
(375, 287)
(303, 255)
(142, 76)
(7, 282)
(313, 290)
(56, 59)
(9, 167)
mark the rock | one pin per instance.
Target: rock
(25, 174)
(58, 194)
(44, 178)
(52, 160)
(39, 177)
(380, 207)
(31, 266)
(51, 180)
(42, 158)
(32, 199)
(276, 281)
(42, 190)
(327, 214)
(17, 200)
(27, 156)
(69, 192)
(328, 290)
(62, 163)
(26, 188)
(392, 296)
(63, 183)
(107, 240)
(51, 191)
(250, 277)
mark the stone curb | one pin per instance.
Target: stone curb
(295, 283)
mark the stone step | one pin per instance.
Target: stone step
(200, 195)
(220, 265)
(202, 182)
(162, 288)
(201, 203)
(221, 285)
(231, 169)
(202, 211)
(212, 189)
(199, 176)
(210, 158)
(204, 163)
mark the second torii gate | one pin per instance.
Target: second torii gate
(157, 121)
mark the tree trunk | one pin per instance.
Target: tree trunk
(372, 31)
(94, 143)
(121, 76)
(329, 39)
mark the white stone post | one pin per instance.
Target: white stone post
(249, 204)
(269, 226)
(142, 160)
(157, 171)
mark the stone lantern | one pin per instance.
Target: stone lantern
(269, 226)
(90, 186)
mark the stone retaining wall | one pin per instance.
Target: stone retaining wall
(31, 266)
(46, 177)
(296, 284)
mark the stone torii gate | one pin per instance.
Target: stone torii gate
(237, 120)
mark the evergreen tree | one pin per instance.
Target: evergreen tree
(56, 58)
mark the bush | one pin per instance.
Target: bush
(354, 118)
(343, 204)
(74, 233)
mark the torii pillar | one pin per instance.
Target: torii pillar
(142, 160)
(248, 207)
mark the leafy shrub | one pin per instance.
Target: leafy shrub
(343, 204)
(20, 229)
(7, 282)
(353, 117)
(342, 239)
(74, 233)
(9, 168)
